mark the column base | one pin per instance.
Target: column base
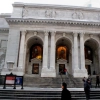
(15, 71)
(48, 72)
(80, 73)
(18, 71)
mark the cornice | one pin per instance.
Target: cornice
(51, 21)
(3, 15)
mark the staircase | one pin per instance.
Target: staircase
(44, 95)
(52, 82)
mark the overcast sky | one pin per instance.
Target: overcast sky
(6, 5)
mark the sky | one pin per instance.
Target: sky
(6, 5)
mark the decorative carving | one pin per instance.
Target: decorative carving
(78, 15)
(81, 34)
(91, 35)
(53, 33)
(24, 12)
(46, 33)
(75, 34)
(64, 34)
(50, 14)
(35, 33)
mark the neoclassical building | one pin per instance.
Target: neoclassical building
(43, 40)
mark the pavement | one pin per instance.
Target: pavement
(46, 89)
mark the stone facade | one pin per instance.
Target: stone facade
(75, 29)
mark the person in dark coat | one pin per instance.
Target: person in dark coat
(87, 89)
(84, 79)
(65, 95)
(97, 81)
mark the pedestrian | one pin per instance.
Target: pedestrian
(97, 80)
(65, 95)
(89, 77)
(87, 89)
(84, 79)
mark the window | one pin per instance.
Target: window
(35, 69)
(3, 43)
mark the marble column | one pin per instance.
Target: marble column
(48, 71)
(99, 57)
(45, 51)
(82, 55)
(52, 53)
(76, 70)
(76, 52)
(21, 52)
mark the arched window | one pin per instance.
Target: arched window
(36, 52)
(88, 53)
(62, 52)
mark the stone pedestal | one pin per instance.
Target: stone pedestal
(80, 73)
(48, 72)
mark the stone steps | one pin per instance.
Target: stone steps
(52, 82)
(45, 95)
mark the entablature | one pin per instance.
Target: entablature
(51, 21)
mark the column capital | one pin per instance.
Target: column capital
(53, 33)
(75, 34)
(46, 33)
(23, 32)
(81, 34)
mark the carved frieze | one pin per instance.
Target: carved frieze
(59, 13)
(50, 13)
(77, 15)
(25, 12)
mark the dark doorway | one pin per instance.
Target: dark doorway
(62, 69)
(88, 69)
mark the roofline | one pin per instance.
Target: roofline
(21, 4)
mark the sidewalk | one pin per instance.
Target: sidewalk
(45, 89)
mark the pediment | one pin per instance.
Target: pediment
(61, 60)
(35, 59)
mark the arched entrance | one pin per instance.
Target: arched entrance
(91, 56)
(34, 56)
(63, 56)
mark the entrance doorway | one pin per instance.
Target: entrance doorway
(62, 69)
(88, 69)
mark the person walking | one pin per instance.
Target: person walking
(87, 89)
(97, 80)
(84, 79)
(90, 78)
(65, 95)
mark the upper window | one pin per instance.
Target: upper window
(36, 52)
(62, 52)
